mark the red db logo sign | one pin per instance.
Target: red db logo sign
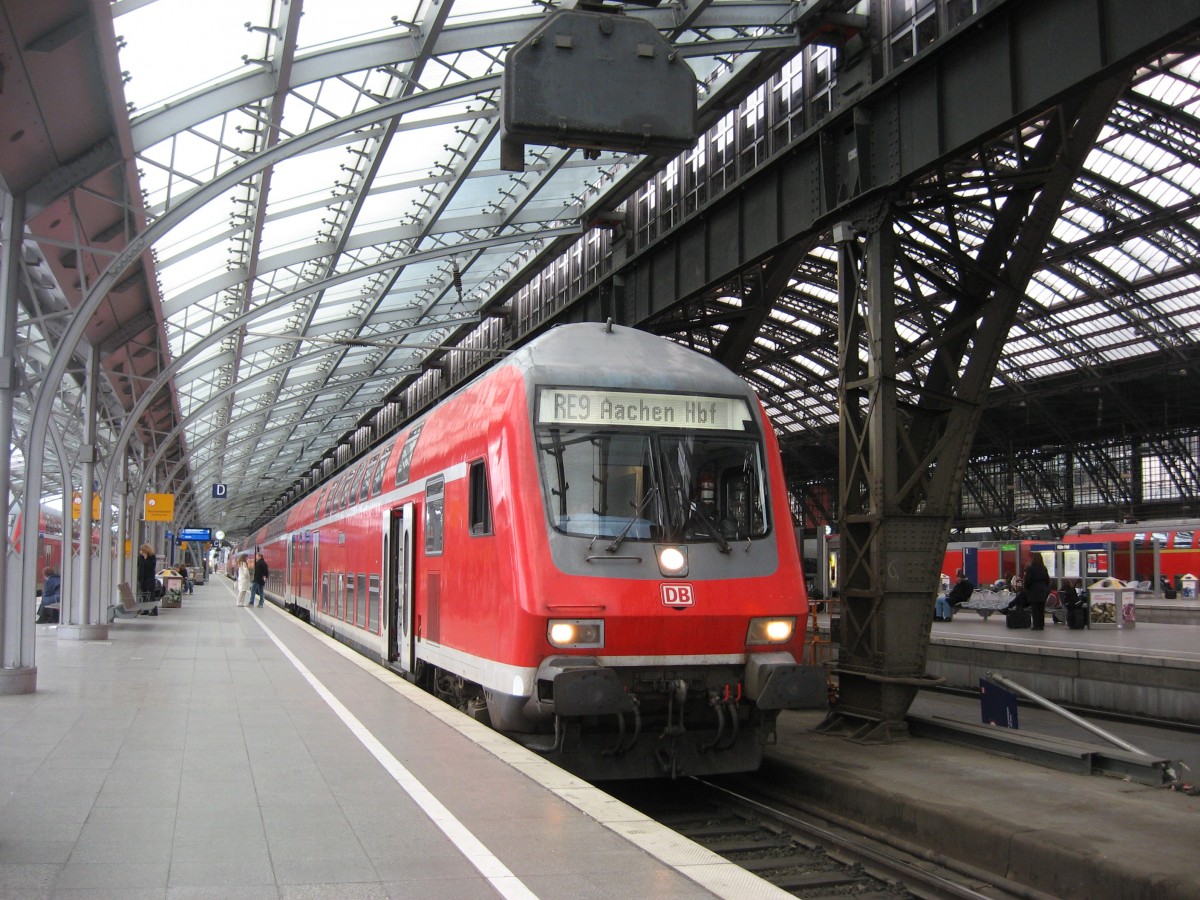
(678, 596)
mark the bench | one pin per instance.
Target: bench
(130, 606)
(47, 612)
(985, 602)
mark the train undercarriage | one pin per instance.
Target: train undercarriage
(604, 724)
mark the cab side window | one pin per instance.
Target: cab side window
(479, 500)
(435, 503)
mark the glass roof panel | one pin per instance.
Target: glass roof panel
(179, 50)
(326, 23)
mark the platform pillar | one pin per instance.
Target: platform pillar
(18, 674)
(83, 632)
(18, 681)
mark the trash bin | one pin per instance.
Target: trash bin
(1188, 584)
(1111, 604)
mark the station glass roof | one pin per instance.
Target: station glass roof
(338, 217)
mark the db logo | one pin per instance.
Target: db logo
(678, 596)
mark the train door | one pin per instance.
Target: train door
(970, 564)
(398, 582)
(289, 594)
(313, 556)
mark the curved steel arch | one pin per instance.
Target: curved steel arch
(146, 239)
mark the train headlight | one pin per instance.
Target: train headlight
(777, 630)
(672, 560)
(575, 632)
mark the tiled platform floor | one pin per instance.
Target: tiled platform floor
(214, 751)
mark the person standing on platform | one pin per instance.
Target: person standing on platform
(260, 579)
(185, 584)
(1036, 584)
(244, 578)
(146, 565)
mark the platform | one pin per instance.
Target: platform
(1149, 670)
(1063, 835)
(213, 751)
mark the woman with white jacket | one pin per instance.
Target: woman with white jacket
(244, 578)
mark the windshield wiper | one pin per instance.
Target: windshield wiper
(637, 514)
(711, 526)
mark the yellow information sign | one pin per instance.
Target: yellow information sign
(159, 508)
(77, 506)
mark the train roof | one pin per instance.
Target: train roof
(1155, 526)
(614, 356)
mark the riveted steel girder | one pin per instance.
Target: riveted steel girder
(1013, 64)
(909, 412)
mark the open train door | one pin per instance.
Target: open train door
(398, 557)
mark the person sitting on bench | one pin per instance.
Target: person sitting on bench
(51, 596)
(959, 594)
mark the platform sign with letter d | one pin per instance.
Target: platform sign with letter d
(220, 491)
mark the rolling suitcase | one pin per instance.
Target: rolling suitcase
(1018, 618)
(1077, 617)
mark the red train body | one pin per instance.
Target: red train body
(589, 546)
(49, 540)
(1132, 553)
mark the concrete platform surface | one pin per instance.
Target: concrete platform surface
(220, 752)
(1067, 836)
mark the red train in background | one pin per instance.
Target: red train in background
(1160, 554)
(589, 547)
(49, 539)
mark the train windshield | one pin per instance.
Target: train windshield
(653, 485)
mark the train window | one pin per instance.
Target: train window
(654, 485)
(364, 487)
(350, 492)
(435, 500)
(324, 593)
(480, 501)
(335, 492)
(360, 601)
(1182, 539)
(406, 454)
(377, 480)
(373, 594)
(360, 475)
(348, 609)
(339, 594)
(339, 492)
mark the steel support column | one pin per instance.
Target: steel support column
(886, 541)
(910, 409)
(86, 622)
(18, 674)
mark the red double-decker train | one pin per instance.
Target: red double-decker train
(49, 540)
(589, 547)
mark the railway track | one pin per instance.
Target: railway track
(798, 852)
